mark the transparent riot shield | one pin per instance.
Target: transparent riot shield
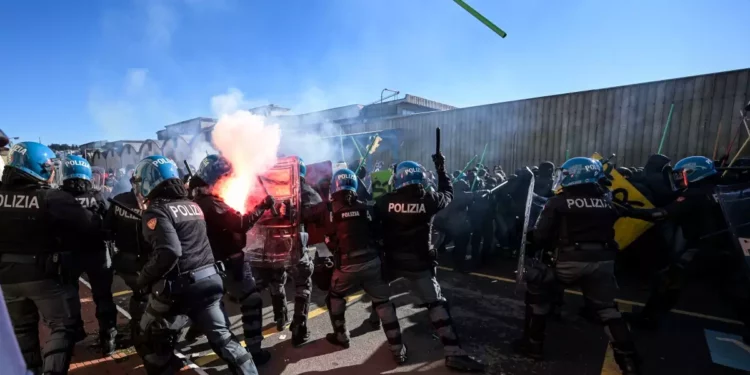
(520, 269)
(276, 239)
(735, 204)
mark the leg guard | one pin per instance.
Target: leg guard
(26, 328)
(337, 311)
(252, 321)
(443, 323)
(532, 342)
(392, 329)
(623, 346)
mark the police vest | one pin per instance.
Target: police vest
(88, 199)
(586, 230)
(23, 228)
(350, 235)
(187, 222)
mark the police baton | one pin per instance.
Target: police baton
(124, 207)
(496, 188)
(188, 169)
(274, 211)
(437, 141)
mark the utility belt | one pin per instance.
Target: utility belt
(354, 257)
(175, 285)
(587, 252)
(58, 265)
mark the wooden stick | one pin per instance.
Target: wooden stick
(716, 143)
(739, 152)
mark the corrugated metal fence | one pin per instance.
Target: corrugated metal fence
(627, 121)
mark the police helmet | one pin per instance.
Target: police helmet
(408, 173)
(213, 168)
(149, 174)
(33, 159)
(302, 168)
(344, 179)
(76, 167)
(579, 171)
(692, 169)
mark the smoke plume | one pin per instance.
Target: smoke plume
(251, 146)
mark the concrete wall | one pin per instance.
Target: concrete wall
(627, 121)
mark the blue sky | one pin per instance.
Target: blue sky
(81, 70)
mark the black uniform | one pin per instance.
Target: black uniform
(92, 257)
(35, 272)
(301, 273)
(185, 282)
(576, 230)
(699, 217)
(405, 216)
(357, 265)
(130, 254)
(227, 230)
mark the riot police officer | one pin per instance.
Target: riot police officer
(357, 262)
(91, 253)
(227, 230)
(576, 230)
(301, 274)
(405, 216)
(181, 273)
(131, 252)
(35, 272)
(699, 216)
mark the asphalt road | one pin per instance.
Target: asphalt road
(489, 315)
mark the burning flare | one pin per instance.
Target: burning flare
(251, 146)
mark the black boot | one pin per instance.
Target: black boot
(627, 358)
(532, 343)
(79, 333)
(464, 363)
(334, 339)
(107, 341)
(261, 357)
(280, 312)
(300, 334)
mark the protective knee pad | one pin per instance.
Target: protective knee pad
(28, 341)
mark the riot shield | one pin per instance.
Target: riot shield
(319, 177)
(276, 240)
(735, 204)
(520, 269)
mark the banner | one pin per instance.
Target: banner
(381, 183)
(627, 229)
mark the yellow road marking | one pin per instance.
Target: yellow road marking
(619, 301)
(208, 358)
(122, 293)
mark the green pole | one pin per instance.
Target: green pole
(481, 162)
(465, 168)
(356, 145)
(481, 18)
(567, 154)
(362, 162)
(666, 129)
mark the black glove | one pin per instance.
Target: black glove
(267, 203)
(439, 160)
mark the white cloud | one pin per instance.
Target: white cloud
(135, 80)
(160, 24)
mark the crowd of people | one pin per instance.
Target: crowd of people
(180, 248)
